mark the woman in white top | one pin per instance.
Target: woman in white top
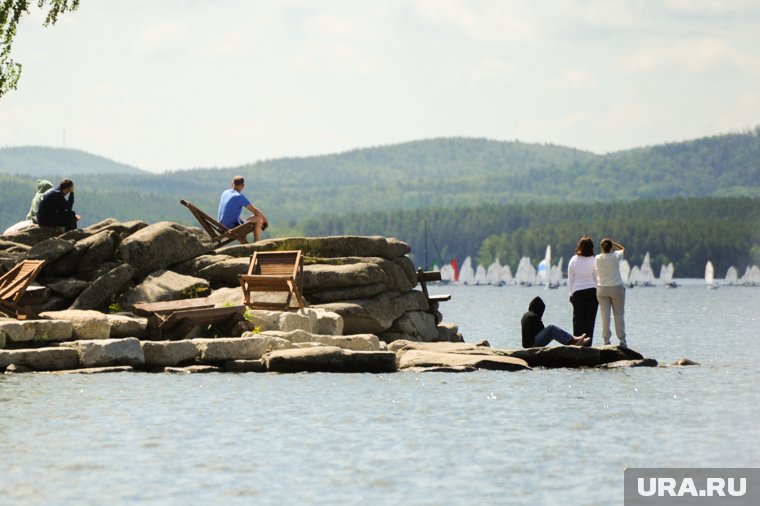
(611, 291)
(581, 279)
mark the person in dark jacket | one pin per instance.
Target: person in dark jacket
(535, 334)
(55, 209)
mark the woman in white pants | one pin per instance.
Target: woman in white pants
(611, 291)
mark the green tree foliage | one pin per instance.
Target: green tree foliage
(685, 231)
(11, 12)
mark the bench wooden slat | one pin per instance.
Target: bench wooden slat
(423, 277)
(220, 234)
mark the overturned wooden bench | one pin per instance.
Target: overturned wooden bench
(14, 285)
(423, 277)
(220, 235)
(175, 319)
(273, 271)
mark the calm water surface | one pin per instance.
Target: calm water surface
(542, 437)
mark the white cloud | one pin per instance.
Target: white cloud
(162, 37)
(701, 56)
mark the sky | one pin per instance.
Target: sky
(175, 84)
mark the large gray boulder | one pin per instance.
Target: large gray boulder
(194, 265)
(168, 353)
(160, 245)
(165, 285)
(108, 352)
(68, 288)
(415, 326)
(32, 235)
(127, 326)
(225, 272)
(330, 359)
(377, 314)
(85, 324)
(40, 359)
(99, 248)
(24, 331)
(50, 249)
(100, 292)
(609, 353)
(122, 229)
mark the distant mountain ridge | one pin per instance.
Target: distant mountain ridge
(432, 173)
(41, 161)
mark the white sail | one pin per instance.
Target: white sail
(555, 278)
(647, 274)
(505, 276)
(543, 273)
(480, 275)
(732, 276)
(447, 273)
(466, 272)
(493, 273)
(625, 271)
(754, 275)
(635, 278)
(710, 275)
(525, 274)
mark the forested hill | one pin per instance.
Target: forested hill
(37, 161)
(439, 173)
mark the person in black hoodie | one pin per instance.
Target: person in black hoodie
(535, 334)
(55, 209)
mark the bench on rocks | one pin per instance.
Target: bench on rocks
(14, 284)
(174, 319)
(423, 277)
(273, 271)
(220, 235)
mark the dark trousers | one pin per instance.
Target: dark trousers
(585, 305)
(67, 219)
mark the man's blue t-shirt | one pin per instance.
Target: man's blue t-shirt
(230, 205)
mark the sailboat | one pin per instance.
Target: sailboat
(525, 274)
(493, 273)
(647, 274)
(710, 275)
(732, 276)
(467, 273)
(480, 276)
(505, 276)
(666, 275)
(625, 272)
(555, 277)
(544, 268)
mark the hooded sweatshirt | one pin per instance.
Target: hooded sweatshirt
(531, 321)
(42, 186)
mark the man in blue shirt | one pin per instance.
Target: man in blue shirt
(232, 203)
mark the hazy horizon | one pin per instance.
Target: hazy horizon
(177, 84)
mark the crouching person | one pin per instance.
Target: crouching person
(55, 209)
(535, 334)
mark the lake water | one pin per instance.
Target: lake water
(548, 437)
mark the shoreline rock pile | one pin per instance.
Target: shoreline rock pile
(363, 313)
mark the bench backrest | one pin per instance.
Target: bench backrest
(13, 283)
(276, 263)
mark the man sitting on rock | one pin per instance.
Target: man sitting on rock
(232, 203)
(534, 334)
(55, 210)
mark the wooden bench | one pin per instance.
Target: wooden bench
(14, 284)
(175, 319)
(220, 234)
(423, 277)
(273, 271)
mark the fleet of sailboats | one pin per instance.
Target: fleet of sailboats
(551, 275)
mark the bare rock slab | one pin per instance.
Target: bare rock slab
(330, 359)
(414, 359)
(107, 352)
(20, 331)
(356, 342)
(85, 324)
(193, 369)
(560, 356)
(166, 285)
(127, 326)
(41, 359)
(97, 370)
(224, 349)
(625, 364)
(245, 366)
(104, 288)
(168, 353)
(160, 245)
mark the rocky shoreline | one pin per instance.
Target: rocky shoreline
(363, 313)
